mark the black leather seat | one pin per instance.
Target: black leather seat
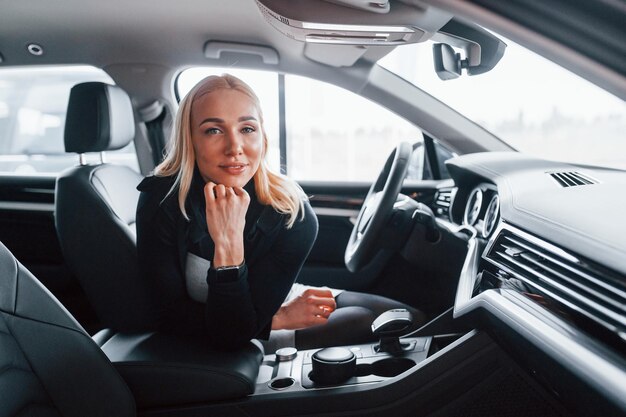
(95, 219)
(49, 366)
(96, 205)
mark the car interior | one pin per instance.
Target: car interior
(518, 261)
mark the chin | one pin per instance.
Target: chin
(233, 182)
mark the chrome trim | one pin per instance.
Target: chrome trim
(468, 276)
(587, 306)
(581, 298)
(475, 206)
(491, 216)
(355, 28)
(35, 49)
(24, 206)
(532, 239)
(579, 272)
(335, 212)
(38, 190)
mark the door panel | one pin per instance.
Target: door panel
(27, 230)
(27, 220)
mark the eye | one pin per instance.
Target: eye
(248, 129)
(212, 131)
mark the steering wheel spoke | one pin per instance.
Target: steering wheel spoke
(377, 209)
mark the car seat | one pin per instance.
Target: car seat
(96, 205)
(50, 366)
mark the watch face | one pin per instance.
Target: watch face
(227, 274)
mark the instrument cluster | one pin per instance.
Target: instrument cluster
(482, 209)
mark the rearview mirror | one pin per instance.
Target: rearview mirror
(448, 63)
(481, 50)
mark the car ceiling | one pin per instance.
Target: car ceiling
(143, 44)
(172, 34)
(120, 31)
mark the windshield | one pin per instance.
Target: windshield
(529, 102)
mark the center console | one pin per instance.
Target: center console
(415, 374)
(303, 371)
(290, 370)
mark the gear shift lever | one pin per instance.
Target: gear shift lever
(389, 326)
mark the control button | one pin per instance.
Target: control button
(286, 354)
(333, 354)
(333, 366)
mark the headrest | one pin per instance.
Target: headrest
(99, 118)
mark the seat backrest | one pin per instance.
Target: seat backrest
(50, 366)
(96, 205)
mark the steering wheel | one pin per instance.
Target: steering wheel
(377, 208)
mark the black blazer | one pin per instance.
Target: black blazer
(235, 312)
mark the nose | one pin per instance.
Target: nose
(234, 144)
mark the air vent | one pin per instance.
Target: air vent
(599, 296)
(443, 200)
(572, 179)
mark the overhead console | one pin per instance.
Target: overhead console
(348, 29)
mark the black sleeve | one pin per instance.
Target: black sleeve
(239, 311)
(159, 262)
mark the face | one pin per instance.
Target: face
(226, 136)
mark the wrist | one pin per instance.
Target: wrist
(225, 274)
(228, 255)
(277, 320)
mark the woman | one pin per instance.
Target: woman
(213, 213)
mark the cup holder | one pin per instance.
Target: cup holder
(390, 367)
(281, 383)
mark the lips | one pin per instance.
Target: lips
(234, 168)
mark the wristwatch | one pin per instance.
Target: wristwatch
(228, 273)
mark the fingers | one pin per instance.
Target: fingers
(322, 302)
(319, 292)
(321, 298)
(304, 311)
(324, 311)
(209, 191)
(218, 192)
(240, 192)
(317, 320)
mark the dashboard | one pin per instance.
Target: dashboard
(546, 265)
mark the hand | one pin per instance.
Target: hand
(226, 209)
(311, 308)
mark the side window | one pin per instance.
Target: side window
(33, 103)
(330, 134)
(336, 135)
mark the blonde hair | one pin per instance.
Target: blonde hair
(283, 194)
